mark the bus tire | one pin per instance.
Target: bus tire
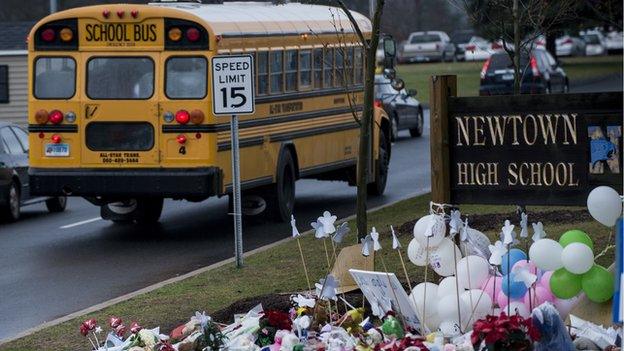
(280, 197)
(378, 187)
(56, 204)
(148, 210)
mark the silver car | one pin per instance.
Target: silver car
(427, 46)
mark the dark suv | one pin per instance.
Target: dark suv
(14, 190)
(541, 74)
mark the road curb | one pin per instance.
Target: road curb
(190, 274)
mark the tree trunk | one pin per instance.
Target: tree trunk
(366, 123)
(516, 57)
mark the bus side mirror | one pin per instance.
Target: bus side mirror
(398, 84)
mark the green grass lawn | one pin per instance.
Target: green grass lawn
(264, 273)
(416, 76)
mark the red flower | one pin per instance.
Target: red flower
(87, 326)
(84, 330)
(165, 345)
(135, 327)
(120, 330)
(279, 320)
(114, 322)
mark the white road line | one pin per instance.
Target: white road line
(81, 222)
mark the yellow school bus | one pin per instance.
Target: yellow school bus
(120, 109)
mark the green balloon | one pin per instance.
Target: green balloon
(598, 284)
(576, 236)
(565, 285)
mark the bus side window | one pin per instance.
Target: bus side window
(318, 68)
(277, 78)
(291, 64)
(340, 72)
(349, 66)
(359, 65)
(263, 72)
(328, 68)
(305, 69)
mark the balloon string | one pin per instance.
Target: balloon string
(474, 308)
(383, 263)
(508, 280)
(424, 312)
(457, 289)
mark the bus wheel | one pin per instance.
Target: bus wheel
(148, 210)
(280, 196)
(56, 204)
(378, 187)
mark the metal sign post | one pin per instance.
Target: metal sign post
(233, 94)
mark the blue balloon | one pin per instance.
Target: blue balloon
(512, 288)
(512, 257)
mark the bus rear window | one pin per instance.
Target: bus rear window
(120, 136)
(123, 78)
(55, 77)
(186, 78)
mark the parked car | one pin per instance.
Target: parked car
(469, 47)
(614, 41)
(594, 43)
(541, 74)
(427, 46)
(570, 46)
(404, 110)
(14, 191)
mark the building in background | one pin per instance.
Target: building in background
(14, 71)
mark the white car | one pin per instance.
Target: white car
(614, 41)
(478, 49)
(570, 46)
(594, 44)
(427, 46)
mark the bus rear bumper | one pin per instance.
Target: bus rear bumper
(161, 182)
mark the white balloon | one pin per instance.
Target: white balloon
(520, 308)
(479, 302)
(472, 272)
(477, 243)
(421, 227)
(448, 309)
(605, 205)
(432, 322)
(425, 302)
(546, 254)
(577, 258)
(448, 286)
(416, 253)
(442, 259)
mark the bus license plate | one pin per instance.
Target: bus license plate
(57, 150)
(508, 76)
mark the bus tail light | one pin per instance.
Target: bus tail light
(56, 139)
(48, 35)
(168, 117)
(181, 139)
(197, 116)
(182, 117)
(174, 34)
(56, 116)
(192, 34)
(42, 116)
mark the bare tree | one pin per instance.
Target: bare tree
(530, 19)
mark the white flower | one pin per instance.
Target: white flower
(98, 330)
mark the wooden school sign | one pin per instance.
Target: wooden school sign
(523, 150)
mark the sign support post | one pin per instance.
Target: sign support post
(236, 193)
(233, 94)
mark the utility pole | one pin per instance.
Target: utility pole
(53, 6)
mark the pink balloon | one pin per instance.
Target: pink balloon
(503, 300)
(539, 295)
(492, 286)
(524, 263)
(545, 279)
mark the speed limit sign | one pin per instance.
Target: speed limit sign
(233, 85)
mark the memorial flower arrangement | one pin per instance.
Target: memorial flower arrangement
(504, 333)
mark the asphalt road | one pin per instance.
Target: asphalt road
(56, 264)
